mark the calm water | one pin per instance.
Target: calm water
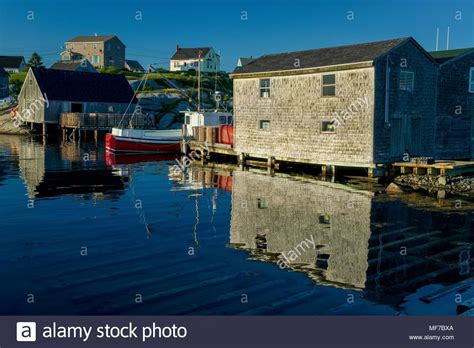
(85, 233)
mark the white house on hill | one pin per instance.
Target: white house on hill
(188, 58)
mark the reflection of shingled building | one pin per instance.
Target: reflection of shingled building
(385, 248)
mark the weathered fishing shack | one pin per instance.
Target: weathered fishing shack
(49, 94)
(363, 105)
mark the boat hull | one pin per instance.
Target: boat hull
(136, 145)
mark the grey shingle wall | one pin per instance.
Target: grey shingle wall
(296, 110)
(411, 114)
(455, 109)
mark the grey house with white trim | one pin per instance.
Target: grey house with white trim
(361, 105)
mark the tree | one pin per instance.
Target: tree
(35, 61)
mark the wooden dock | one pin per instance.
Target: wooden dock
(103, 121)
(441, 167)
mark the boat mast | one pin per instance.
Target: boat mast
(199, 81)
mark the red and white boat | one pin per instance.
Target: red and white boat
(144, 140)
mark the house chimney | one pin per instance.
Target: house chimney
(177, 47)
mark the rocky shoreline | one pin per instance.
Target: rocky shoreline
(453, 184)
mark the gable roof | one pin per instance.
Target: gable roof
(11, 62)
(83, 86)
(70, 65)
(92, 38)
(443, 56)
(321, 57)
(245, 61)
(190, 53)
(134, 64)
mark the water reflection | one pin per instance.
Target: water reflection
(49, 170)
(296, 245)
(344, 237)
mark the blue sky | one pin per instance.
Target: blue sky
(270, 26)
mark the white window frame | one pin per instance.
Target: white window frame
(261, 124)
(93, 60)
(328, 85)
(265, 91)
(471, 80)
(407, 87)
(328, 131)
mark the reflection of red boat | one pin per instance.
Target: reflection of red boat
(143, 141)
(113, 159)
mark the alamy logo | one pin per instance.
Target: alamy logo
(26, 332)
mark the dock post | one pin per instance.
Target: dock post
(323, 170)
(44, 131)
(271, 162)
(96, 136)
(375, 172)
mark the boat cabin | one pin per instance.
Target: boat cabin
(205, 118)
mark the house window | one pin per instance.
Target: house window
(94, 46)
(324, 219)
(471, 80)
(407, 80)
(329, 85)
(72, 46)
(230, 119)
(222, 119)
(31, 82)
(262, 203)
(328, 127)
(187, 119)
(111, 108)
(95, 59)
(265, 88)
(264, 124)
(84, 46)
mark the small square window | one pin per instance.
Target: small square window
(222, 119)
(262, 203)
(329, 85)
(328, 127)
(264, 124)
(407, 80)
(324, 219)
(230, 119)
(265, 88)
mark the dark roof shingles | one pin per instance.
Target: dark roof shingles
(91, 38)
(190, 53)
(11, 62)
(83, 86)
(320, 57)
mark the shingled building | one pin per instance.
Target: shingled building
(46, 93)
